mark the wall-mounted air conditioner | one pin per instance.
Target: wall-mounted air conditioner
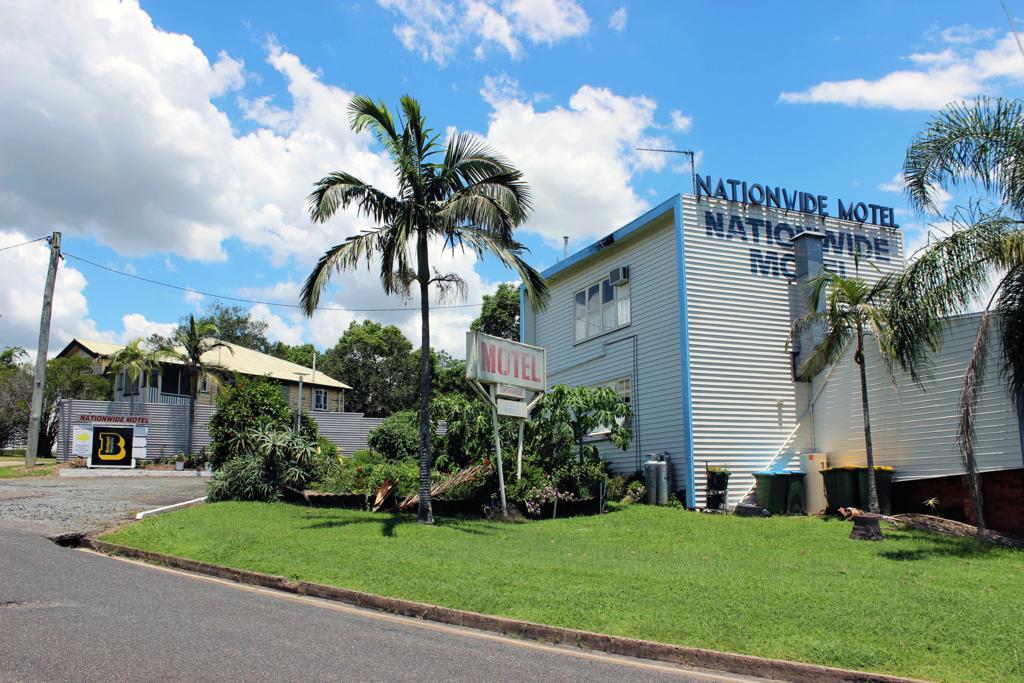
(619, 276)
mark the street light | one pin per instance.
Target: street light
(298, 415)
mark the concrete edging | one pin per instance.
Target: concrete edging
(748, 665)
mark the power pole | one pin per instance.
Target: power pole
(35, 417)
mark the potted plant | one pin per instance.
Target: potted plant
(179, 462)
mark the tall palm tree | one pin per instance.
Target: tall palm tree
(978, 144)
(845, 310)
(189, 343)
(462, 195)
(134, 360)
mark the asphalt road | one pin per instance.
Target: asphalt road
(71, 615)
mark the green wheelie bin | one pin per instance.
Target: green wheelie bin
(842, 488)
(795, 500)
(883, 486)
(772, 489)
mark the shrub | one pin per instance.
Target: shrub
(398, 437)
(262, 462)
(616, 488)
(239, 408)
(635, 492)
(469, 432)
(244, 477)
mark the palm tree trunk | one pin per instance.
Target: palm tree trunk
(426, 511)
(193, 385)
(868, 445)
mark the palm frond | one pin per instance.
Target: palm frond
(1010, 306)
(340, 189)
(979, 142)
(946, 279)
(509, 252)
(340, 257)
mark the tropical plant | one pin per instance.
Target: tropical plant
(978, 144)
(247, 403)
(135, 360)
(461, 195)
(266, 459)
(67, 378)
(844, 310)
(192, 340)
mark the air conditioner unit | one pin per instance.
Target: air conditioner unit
(619, 276)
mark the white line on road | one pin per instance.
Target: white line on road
(570, 651)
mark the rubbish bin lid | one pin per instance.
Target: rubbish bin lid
(775, 473)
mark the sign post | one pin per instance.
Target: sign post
(515, 377)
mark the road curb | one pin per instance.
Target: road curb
(748, 665)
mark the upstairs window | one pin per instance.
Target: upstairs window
(319, 399)
(602, 307)
(174, 380)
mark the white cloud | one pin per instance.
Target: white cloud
(122, 116)
(136, 325)
(681, 122)
(618, 19)
(579, 160)
(940, 197)
(436, 30)
(961, 70)
(193, 298)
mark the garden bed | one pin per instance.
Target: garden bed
(793, 588)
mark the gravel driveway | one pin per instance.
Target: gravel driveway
(53, 505)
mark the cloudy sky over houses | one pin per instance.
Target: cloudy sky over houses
(177, 141)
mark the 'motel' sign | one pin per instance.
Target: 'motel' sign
(492, 360)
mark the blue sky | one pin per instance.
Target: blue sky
(177, 140)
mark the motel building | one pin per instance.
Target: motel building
(686, 312)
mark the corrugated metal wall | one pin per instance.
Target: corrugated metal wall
(915, 429)
(650, 342)
(168, 425)
(745, 403)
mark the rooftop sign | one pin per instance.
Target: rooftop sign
(771, 196)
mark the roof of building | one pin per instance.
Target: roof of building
(234, 358)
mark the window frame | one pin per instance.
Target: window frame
(204, 384)
(317, 393)
(601, 308)
(603, 434)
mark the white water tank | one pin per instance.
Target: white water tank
(811, 464)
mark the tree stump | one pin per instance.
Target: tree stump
(866, 528)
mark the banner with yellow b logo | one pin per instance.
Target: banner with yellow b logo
(111, 446)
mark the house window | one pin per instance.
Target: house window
(174, 380)
(600, 308)
(319, 399)
(120, 382)
(286, 392)
(204, 385)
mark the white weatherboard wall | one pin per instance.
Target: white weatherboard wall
(745, 403)
(650, 253)
(915, 429)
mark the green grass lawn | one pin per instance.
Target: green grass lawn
(19, 471)
(791, 588)
(21, 458)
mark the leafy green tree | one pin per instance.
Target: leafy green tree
(844, 310)
(15, 395)
(236, 325)
(67, 378)
(191, 341)
(12, 357)
(447, 374)
(461, 195)
(977, 144)
(375, 360)
(248, 403)
(135, 360)
(301, 354)
(499, 316)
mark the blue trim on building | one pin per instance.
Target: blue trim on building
(684, 352)
(1020, 426)
(611, 239)
(522, 314)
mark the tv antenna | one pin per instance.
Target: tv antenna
(687, 152)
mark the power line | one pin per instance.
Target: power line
(15, 246)
(254, 301)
